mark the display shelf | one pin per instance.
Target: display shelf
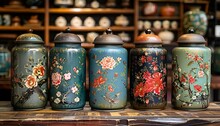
(159, 18)
(22, 28)
(90, 11)
(165, 1)
(89, 29)
(127, 116)
(21, 10)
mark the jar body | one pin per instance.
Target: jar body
(216, 61)
(67, 77)
(108, 77)
(5, 62)
(191, 77)
(148, 78)
(29, 77)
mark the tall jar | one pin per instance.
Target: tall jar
(67, 72)
(197, 19)
(5, 61)
(108, 73)
(29, 73)
(148, 87)
(191, 73)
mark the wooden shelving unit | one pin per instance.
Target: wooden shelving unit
(96, 28)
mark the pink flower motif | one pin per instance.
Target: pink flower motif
(75, 70)
(200, 73)
(56, 78)
(107, 63)
(31, 81)
(74, 89)
(147, 101)
(155, 68)
(67, 76)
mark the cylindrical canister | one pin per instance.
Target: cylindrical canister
(191, 73)
(148, 73)
(67, 72)
(29, 73)
(108, 73)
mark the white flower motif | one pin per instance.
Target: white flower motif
(76, 99)
(58, 94)
(197, 94)
(193, 97)
(57, 101)
(119, 59)
(74, 89)
(200, 74)
(178, 97)
(179, 69)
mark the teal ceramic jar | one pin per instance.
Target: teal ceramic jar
(67, 73)
(148, 87)
(29, 73)
(191, 73)
(197, 19)
(108, 73)
(5, 61)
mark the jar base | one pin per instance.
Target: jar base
(67, 109)
(189, 109)
(107, 110)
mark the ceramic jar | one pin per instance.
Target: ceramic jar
(149, 9)
(5, 61)
(197, 19)
(108, 73)
(67, 72)
(29, 73)
(167, 11)
(148, 73)
(191, 73)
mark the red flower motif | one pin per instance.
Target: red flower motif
(155, 83)
(115, 74)
(139, 90)
(198, 88)
(201, 65)
(143, 59)
(146, 75)
(183, 79)
(153, 63)
(38, 71)
(191, 79)
(149, 58)
(110, 88)
(197, 58)
(31, 81)
(99, 81)
(56, 79)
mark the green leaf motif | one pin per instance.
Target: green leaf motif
(190, 63)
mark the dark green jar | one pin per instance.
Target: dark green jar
(67, 73)
(29, 73)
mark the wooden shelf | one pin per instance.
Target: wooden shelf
(159, 18)
(22, 10)
(196, 2)
(96, 28)
(162, 29)
(21, 28)
(90, 11)
(161, 1)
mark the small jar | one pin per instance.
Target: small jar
(29, 73)
(191, 73)
(148, 73)
(67, 72)
(108, 73)
(5, 61)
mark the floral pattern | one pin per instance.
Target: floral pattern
(191, 85)
(29, 77)
(108, 79)
(148, 78)
(67, 79)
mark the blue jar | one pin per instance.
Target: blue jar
(29, 73)
(108, 73)
(5, 61)
(67, 73)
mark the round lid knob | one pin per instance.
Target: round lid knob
(108, 38)
(147, 37)
(29, 38)
(67, 37)
(191, 37)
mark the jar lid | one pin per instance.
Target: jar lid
(147, 37)
(191, 37)
(108, 38)
(29, 38)
(67, 37)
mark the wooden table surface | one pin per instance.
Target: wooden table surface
(128, 116)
